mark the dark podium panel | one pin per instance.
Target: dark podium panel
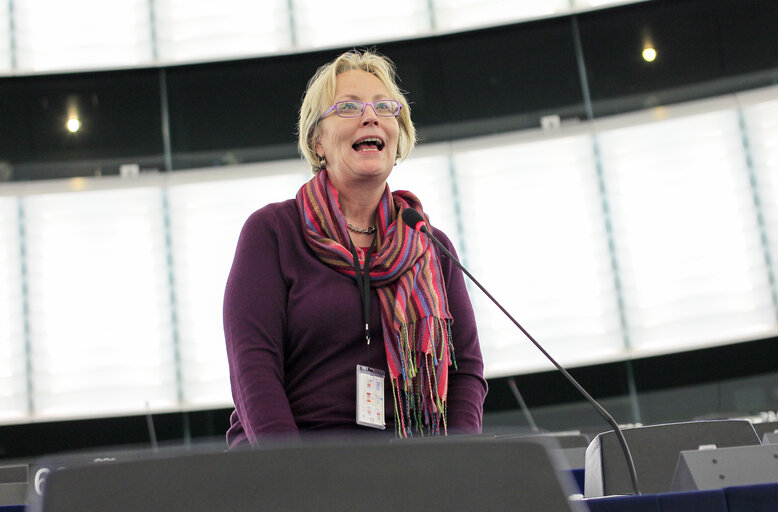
(655, 450)
(13, 484)
(453, 474)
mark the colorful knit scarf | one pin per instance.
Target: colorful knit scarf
(406, 273)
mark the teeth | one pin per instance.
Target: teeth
(378, 142)
(370, 139)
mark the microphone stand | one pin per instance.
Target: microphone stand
(415, 221)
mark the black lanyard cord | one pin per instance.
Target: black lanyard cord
(363, 283)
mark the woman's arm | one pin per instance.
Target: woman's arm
(255, 329)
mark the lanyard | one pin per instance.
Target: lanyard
(363, 283)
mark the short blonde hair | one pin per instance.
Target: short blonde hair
(320, 94)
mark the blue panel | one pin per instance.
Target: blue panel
(752, 498)
(695, 501)
(645, 503)
(578, 477)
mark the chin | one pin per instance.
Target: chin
(374, 169)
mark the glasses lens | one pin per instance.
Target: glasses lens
(350, 108)
(384, 108)
(387, 107)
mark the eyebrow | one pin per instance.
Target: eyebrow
(354, 97)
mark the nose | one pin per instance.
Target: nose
(369, 116)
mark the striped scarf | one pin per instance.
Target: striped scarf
(414, 309)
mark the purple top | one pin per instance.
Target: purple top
(295, 334)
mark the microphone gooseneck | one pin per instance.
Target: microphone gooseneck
(414, 219)
(522, 404)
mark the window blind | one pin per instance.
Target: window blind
(339, 22)
(536, 239)
(100, 318)
(597, 4)
(5, 40)
(429, 178)
(686, 232)
(761, 121)
(81, 34)
(201, 29)
(90, 34)
(206, 219)
(464, 14)
(13, 373)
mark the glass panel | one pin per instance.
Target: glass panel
(536, 239)
(13, 374)
(202, 29)
(100, 320)
(54, 35)
(686, 233)
(581, 5)
(339, 22)
(5, 40)
(81, 34)
(762, 132)
(206, 219)
(429, 178)
(462, 14)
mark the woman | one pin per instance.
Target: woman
(331, 297)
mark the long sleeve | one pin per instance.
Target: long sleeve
(467, 387)
(254, 327)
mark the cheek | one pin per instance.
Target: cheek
(328, 138)
(326, 143)
(397, 130)
(338, 140)
(396, 138)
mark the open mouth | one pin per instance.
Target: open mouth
(368, 144)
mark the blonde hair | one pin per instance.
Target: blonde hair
(320, 94)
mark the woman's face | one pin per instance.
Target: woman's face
(340, 139)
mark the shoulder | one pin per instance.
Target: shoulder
(445, 262)
(443, 239)
(273, 226)
(274, 216)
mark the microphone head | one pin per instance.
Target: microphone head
(413, 218)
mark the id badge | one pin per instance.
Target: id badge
(370, 397)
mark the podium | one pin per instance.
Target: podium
(463, 474)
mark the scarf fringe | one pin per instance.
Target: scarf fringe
(420, 404)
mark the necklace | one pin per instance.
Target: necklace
(364, 231)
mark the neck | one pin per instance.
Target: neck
(359, 206)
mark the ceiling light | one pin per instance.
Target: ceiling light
(73, 125)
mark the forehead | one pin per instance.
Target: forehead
(359, 84)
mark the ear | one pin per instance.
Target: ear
(319, 149)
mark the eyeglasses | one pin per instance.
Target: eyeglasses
(354, 108)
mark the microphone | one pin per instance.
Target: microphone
(522, 404)
(414, 219)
